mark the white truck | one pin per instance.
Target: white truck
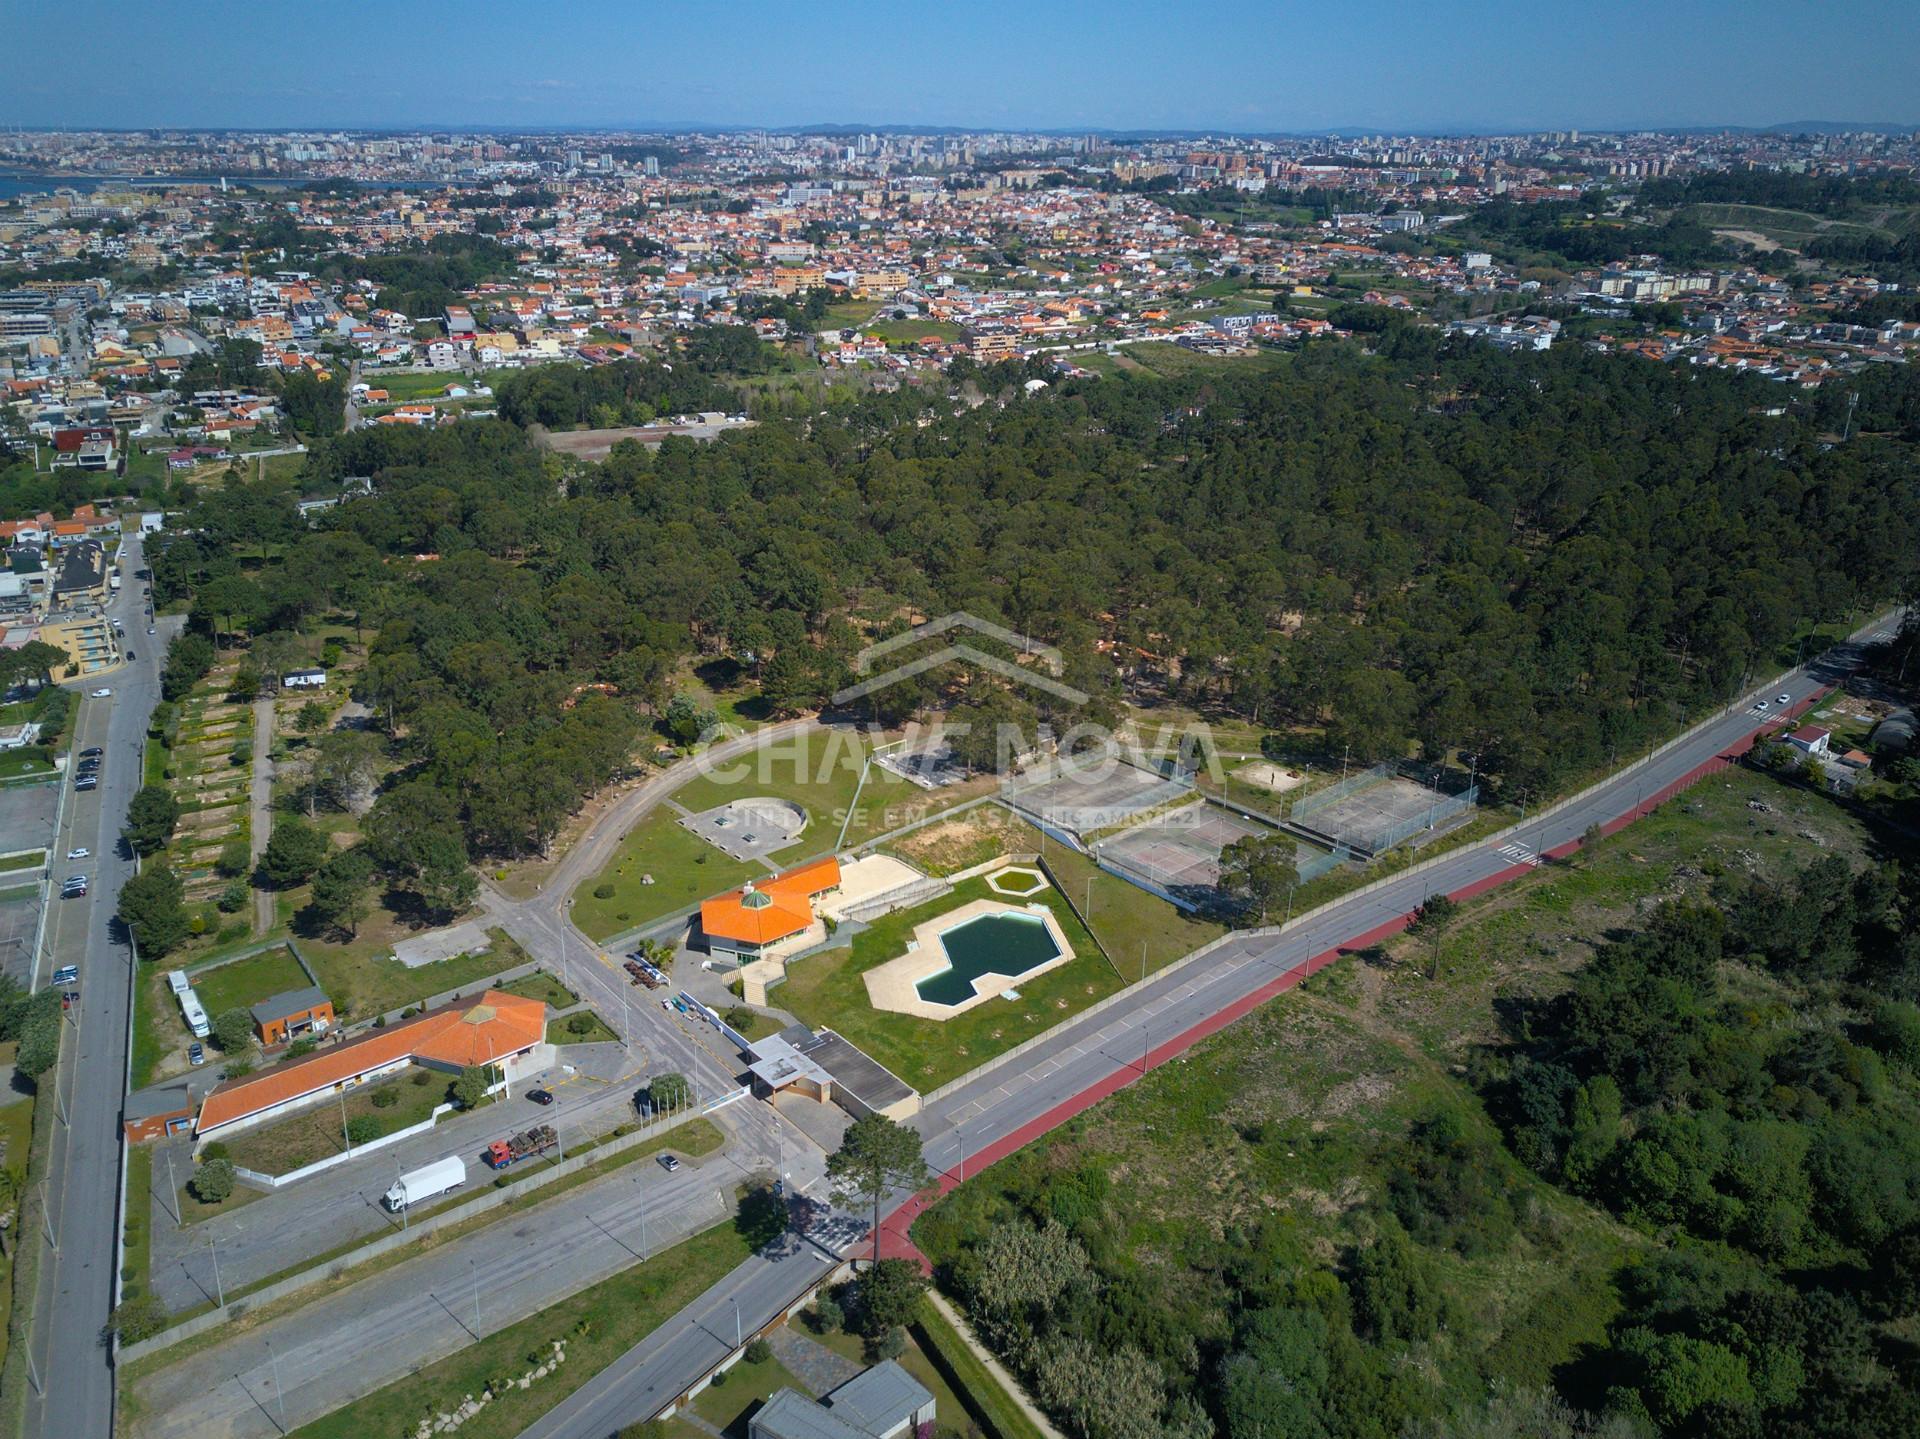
(439, 1177)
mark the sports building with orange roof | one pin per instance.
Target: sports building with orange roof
(756, 919)
(505, 1030)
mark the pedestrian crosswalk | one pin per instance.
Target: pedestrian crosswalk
(1519, 854)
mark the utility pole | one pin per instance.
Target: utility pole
(474, 1273)
(219, 1290)
(279, 1392)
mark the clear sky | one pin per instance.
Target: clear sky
(1174, 64)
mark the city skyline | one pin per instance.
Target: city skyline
(1485, 66)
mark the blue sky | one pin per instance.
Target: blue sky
(1177, 64)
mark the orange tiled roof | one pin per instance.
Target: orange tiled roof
(479, 1032)
(788, 908)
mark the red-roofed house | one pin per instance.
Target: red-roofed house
(505, 1030)
(1810, 739)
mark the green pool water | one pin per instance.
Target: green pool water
(1009, 944)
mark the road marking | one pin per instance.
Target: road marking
(1520, 854)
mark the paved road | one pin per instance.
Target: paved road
(417, 1312)
(69, 1356)
(342, 1205)
(1085, 1059)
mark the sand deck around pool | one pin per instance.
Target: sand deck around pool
(890, 986)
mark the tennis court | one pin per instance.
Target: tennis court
(1375, 818)
(1093, 797)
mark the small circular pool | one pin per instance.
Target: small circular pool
(1003, 943)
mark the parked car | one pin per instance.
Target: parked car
(66, 974)
(540, 1096)
(101, 693)
(92, 751)
(669, 1163)
(86, 781)
(82, 852)
(196, 1055)
(149, 629)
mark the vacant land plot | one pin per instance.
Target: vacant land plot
(19, 921)
(243, 983)
(965, 840)
(827, 991)
(320, 1133)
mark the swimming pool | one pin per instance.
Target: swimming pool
(1002, 943)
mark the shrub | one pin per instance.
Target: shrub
(212, 1182)
(233, 897)
(137, 1319)
(603, 891)
(300, 1046)
(362, 1129)
(580, 1023)
(422, 1078)
(740, 1017)
(827, 1313)
(758, 1352)
(216, 1150)
(128, 1273)
(386, 1098)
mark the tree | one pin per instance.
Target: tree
(469, 1091)
(343, 890)
(762, 1216)
(151, 818)
(212, 1182)
(1430, 922)
(151, 906)
(1260, 870)
(876, 1157)
(311, 718)
(139, 1318)
(293, 853)
(669, 1093)
(233, 1031)
(889, 1291)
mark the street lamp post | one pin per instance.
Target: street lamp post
(219, 1290)
(279, 1391)
(474, 1272)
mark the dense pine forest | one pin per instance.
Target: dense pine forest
(1540, 560)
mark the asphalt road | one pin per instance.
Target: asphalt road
(342, 1205)
(74, 1393)
(419, 1311)
(1090, 1056)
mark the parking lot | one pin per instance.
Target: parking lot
(27, 815)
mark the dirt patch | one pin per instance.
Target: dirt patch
(968, 839)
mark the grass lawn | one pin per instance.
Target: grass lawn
(16, 1133)
(32, 859)
(849, 314)
(192, 1211)
(241, 983)
(560, 1031)
(903, 332)
(13, 766)
(960, 1373)
(826, 990)
(816, 769)
(543, 987)
(364, 979)
(685, 870)
(1126, 917)
(599, 1324)
(733, 1397)
(413, 387)
(316, 1134)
